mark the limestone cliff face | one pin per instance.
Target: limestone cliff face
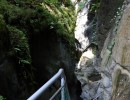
(113, 58)
(115, 63)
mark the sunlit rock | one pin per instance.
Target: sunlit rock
(85, 59)
(81, 26)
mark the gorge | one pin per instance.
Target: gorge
(89, 39)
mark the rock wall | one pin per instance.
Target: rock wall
(48, 56)
(11, 87)
(115, 57)
(106, 18)
(107, 76)
(36, 39)
(86, 69)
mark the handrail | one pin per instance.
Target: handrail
(40, 91)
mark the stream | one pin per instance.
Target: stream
(86, 69)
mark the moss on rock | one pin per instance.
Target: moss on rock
(21, 19)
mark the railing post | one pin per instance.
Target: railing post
(63, 87)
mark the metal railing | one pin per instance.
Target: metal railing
(63, 88)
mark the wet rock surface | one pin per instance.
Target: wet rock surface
(87, 70)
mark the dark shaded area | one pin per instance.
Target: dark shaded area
(92, 46)
(10, 86)
(106, 13)
(94, 77)
(90, 31)
(49, 53)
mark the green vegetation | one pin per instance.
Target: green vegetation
(2, 23)
(62, 18)
(95, 6)
(111, 45)
(2, 98)
(81, 6)
(27, 17)
(20, 45)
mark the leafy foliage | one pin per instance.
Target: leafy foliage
(20, 45)
(26, 17)
(95, 6)
(81, 5)
(64, 22)
(49, 14)
(57, 3)
(2, 98)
